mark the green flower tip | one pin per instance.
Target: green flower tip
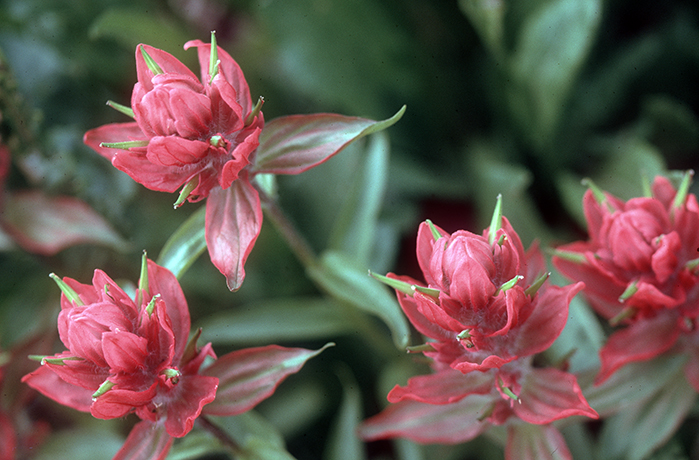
(186, 191)
(255, 111)
(509, 284)
(398, 285)
(121, 108)
(536, 285)
(630, 290)
(105, 387)
(67, 291)
(151, 305)
(570, 256)
(508, 392)
(683, 190)
(425, 347)
(172, 374)
(435, 233)
(496, 220)
(142, 279)
(190, 350)
(124, 145)
(433, 293)
(150, 62)
(213, 58)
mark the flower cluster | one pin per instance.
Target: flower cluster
(132, 355)
(486, 312)
(640, 271)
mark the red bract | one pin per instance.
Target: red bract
(640, 271)
(206, 136)
(133, 356)
(487, 314)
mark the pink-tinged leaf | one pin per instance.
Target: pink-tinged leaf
(112, 133)
(47, 225)
(46, 382)
(162, 281)
(295, 143)
(444, 387)
(547, 320)
(195, 392)
(233, 222)
(147, 441)
(536, 442)
(548, 395)
(249, 376)
(8, 439)
(430, 423)
(640, 341)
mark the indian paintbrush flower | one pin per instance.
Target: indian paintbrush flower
(206, 137)
(486, 310)
(133, 355)
(640, 271)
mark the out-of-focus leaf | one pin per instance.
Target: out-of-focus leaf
(81, 444)
(295, 408)
(133, 26)
(536, 442)
(295, 143)
(272, 321)
(343, 279)
(641, 428)
(343, 443)
(195, 445)
(487, 17)
(633, 384)
(552, 45)
(493, 176)
(46, 225)
(185, 245)
(251, 375)
(669, 124)
(355, 230)
(258, 439)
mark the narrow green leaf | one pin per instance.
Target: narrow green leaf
(258, 439)
(185, 245)
(339, 275)
(342, 443)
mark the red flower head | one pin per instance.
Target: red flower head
(205, 136)
(640, 270)
(486, 312)
(133, 356)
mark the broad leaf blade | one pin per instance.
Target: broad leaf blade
(295, 143)
(185, 245)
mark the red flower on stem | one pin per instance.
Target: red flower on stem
(640, 271)
(129, 355)
(206, 136)
(486, 312)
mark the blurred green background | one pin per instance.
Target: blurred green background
(522, 98)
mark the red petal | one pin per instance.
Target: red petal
(548, 395)
(233, 222)
(124, 351)
(429, 423)
(194, 393)
(46, 382)
(153, 176)
(8, 440)
(444, 387)
(117, 402)
(114, 132)
(174, 151)
(228, 115)
(425, 248)
(231, 71)
(249, 376)
(162, 281)
(547, 320)
(640, 341)
(240, 159)
(46, 225)
(419, 320)
(167, 62)
(532, 442)
(146, 441)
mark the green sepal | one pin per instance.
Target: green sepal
(255, 111)
(430, 292)
(151, 305)
(425, 347)
(509, 284)
(570, 256)
(105, 387)
(496, 220)
(57, 361)
(510, 394)
(597, 192)
(142, 279)
(536, 285)
(150, 62)
(213, 58)
(121, 108)
(683, 189)
(186, 191)
(630, 290)
(67, 291)
(692, 264)
(124, 145)
(435, 233)
(398, 285)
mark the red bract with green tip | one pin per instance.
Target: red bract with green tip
(129, 355)
(640, 270)
(204, 135)
(486, 311)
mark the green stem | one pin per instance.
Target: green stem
(297, 243)
(221, 435)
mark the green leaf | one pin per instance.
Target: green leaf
(185, 245)
(88, 443)
(355, 229)
(295, 143)
(343, 279)
(552, 45)
(343, 444)
(487, 17)
(272, 321)
(643, 427)
(194, 446)
(258, 439)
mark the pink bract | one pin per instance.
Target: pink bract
(639, 268)
(485, 313)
